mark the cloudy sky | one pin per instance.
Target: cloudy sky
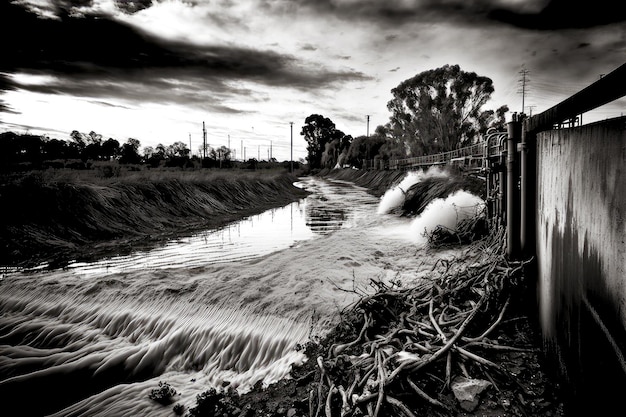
(155, 70)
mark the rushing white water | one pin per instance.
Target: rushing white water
(395, 196)
(446, 212)
(95, 339)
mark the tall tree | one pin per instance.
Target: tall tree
(438, 110)
(318, 131)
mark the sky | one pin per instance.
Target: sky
(156, 70)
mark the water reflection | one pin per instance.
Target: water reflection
(330, 207)
(324, 220)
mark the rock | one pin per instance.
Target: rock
(467, 391)
(291, 412)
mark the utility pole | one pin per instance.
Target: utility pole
(368, 126)
(242, 154)
(203, 141)
(523, 80)
(190, 149)
(530, 110)
(271, 152)
(291, 158)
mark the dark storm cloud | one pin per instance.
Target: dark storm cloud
(133, 6)
(557, 14)
(578, 60)
(393, 12)
(566, 14)
(56, 8)
(95, 48)
(147, 87)
(5, 84)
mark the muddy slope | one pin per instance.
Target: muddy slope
(53, 221)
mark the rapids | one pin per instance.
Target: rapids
(218, 309)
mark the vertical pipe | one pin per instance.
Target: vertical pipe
(502, 189)
(528, 164)
(512, 197)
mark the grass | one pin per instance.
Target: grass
(100, 176)
(56, 215)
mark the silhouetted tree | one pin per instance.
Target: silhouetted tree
(56, 149)
(110, 149)
(79, 139)
(318, 131)
(221, 157)
(177, 149)
(129, 153)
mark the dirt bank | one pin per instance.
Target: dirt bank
(57, 217)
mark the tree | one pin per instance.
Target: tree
(393, 147)
(178, 150)
(78, 138)
(438, 110)
(129, 154)
(94, 137)
(364, 148)
(318, 131)
(109, 149)
(55, 149)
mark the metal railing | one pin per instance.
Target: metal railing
(490, 146)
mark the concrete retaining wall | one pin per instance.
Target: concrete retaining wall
(581, 253)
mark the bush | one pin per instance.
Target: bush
(163, 394)
(179, 409)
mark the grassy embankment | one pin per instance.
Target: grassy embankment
(57, 215)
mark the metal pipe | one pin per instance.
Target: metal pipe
(528, 164)
(512, 197)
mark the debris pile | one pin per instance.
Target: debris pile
(429, 347)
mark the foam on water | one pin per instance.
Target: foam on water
(395, 196)
(446, 212)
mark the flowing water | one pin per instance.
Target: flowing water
(225, 307)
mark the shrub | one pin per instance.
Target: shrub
(163, 394)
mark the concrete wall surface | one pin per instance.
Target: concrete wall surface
(581, 258)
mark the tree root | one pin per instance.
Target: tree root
(405, 331)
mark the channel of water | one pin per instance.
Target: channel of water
(223, 307)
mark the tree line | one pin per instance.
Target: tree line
(435, 111)
(27, 151)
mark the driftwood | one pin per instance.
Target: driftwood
(410, 341)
